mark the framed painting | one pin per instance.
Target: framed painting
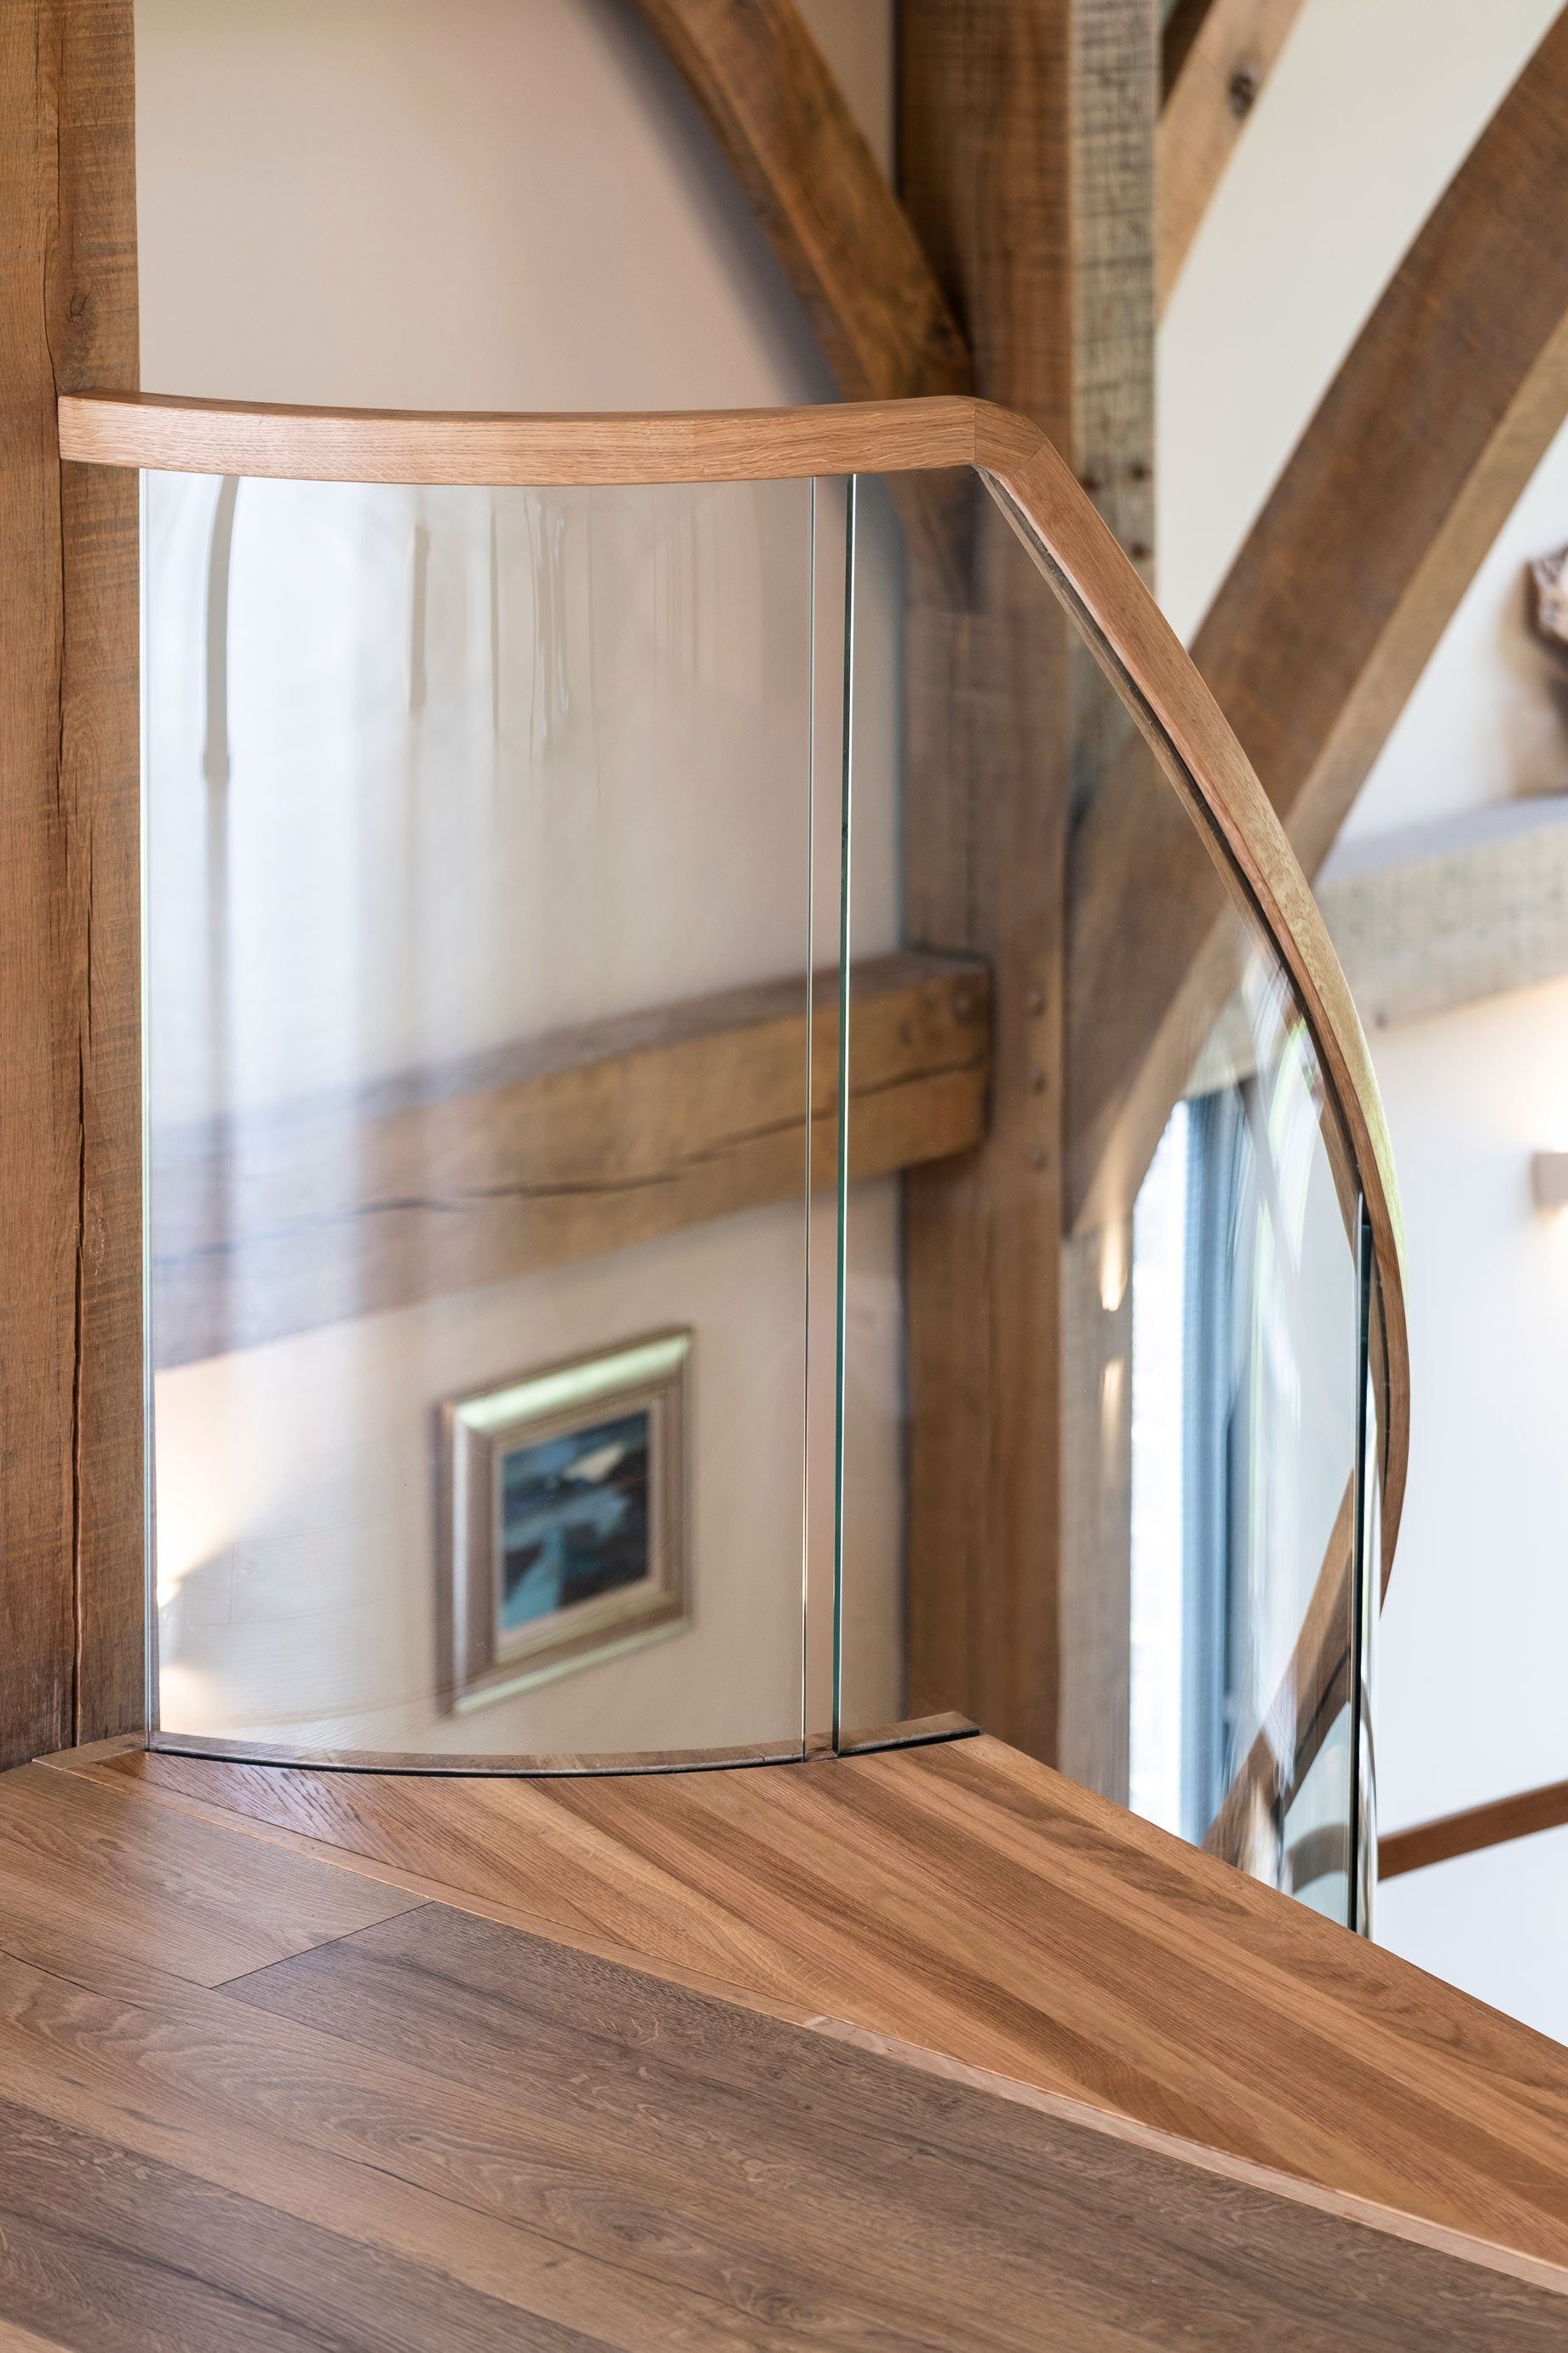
(564, 1516)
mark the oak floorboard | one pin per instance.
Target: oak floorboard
(804, 2193)
(381, 2152)
(13, 2339)
(1018, 2227)
(964, 1900)
(101, 2247)
(158, 1890)
(436, 2129)
(706, 2219)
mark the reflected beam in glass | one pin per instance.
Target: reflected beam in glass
(479, 1042)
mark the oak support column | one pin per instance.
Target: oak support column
(1027, 133)
(70, 1437)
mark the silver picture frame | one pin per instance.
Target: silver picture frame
(562, 1517)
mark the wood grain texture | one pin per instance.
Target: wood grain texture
(558, 1149)
(965, 1901)
(172, 434)
(1418, 451)
(105, 2244)
(70, 1384)
(1476, 1827)
(1039, 116)
(493, 2005)
(1217, 55)
(157, 1890)
(1458, 913)
(1112, 216)
(1179, 720)
(353, 2175)
(436, 2129)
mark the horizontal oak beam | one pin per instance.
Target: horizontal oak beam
(557, 1150)
(824, 204)
(1431, 919)
(1327, 619)
(1454, 914)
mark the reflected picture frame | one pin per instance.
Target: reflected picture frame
(562, 1517)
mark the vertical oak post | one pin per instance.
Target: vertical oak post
(70, 1498)
(1027, 134)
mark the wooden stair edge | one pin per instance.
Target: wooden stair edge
(1485, 2239)
(1345, 2205)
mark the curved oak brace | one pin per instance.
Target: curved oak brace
(1182, 723)
(1217, 56)
(823, 202)
(1329, 613)
(1175, 713)
(840, 236)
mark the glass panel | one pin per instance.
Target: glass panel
(479, 917)
(907, 1009)
(1244, 1444)
(1369, 1589)
(1200, 1465)
(553, 1271)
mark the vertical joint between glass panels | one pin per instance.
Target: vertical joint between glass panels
(841, 1203)
(1364, 1571)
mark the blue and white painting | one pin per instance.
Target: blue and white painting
(574, 1518)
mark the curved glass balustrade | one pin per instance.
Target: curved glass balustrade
(479, 915)
(1213, 1598)
(1247, 1291)
(581, 1091)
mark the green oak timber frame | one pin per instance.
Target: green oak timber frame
(71, 1306)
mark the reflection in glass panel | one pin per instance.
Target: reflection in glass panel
(1244, 1453)
(1369, 1588)
(903, 1016)
(1149, 1572)
(478, 929)
(540, 1305)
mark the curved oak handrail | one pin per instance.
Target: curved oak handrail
(1046, 506)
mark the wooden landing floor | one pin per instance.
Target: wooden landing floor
(260, 2093)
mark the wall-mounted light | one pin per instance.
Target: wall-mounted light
(1549, 1180)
